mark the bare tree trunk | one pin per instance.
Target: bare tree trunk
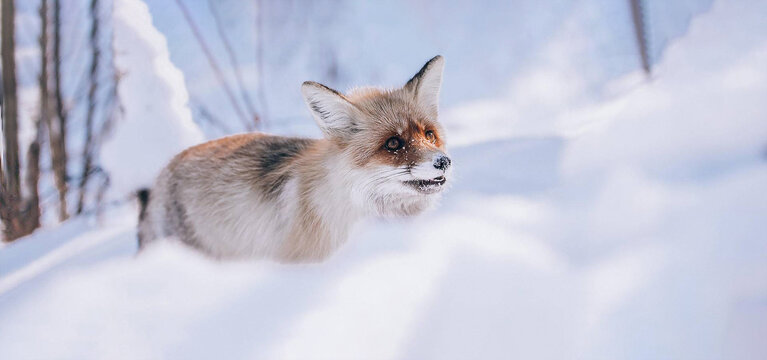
(89, 141)
(30, 213)
(11, 189)
(4, 209)
(57, 126)
(20, 215)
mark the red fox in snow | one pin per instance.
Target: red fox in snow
(293, 199)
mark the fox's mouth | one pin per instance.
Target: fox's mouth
(428, 186)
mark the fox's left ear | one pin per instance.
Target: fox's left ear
(425, 85)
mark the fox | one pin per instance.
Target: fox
(294, 200)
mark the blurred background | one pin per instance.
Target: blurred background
(609, 197)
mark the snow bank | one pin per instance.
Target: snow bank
(633, 230)
(695, 116)
(156, 123)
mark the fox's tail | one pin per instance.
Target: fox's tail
(143, 201)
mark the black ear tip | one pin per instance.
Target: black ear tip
(310, 88)
(309, 85)
(435, 62)
(436, 59)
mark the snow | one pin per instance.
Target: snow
(623, 223)
(154, 102)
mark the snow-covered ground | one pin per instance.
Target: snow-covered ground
(629, 225)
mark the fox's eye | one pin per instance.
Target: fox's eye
(430, 136)
(394, 143)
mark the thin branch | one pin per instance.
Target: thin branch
(208, 116)
(260, 59)
(100, 194)
(637, 16)
(57, 60)
(234, 63)
(217, 71)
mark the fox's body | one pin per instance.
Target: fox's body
(293, 199)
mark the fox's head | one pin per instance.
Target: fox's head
(393, 148)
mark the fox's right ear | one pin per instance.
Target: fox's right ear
(332, 111)
(425, 85)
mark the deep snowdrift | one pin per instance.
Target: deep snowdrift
(631, 228)
(156, 122)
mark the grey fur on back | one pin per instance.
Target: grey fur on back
(205, 174)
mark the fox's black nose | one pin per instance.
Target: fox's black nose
(442, 162)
